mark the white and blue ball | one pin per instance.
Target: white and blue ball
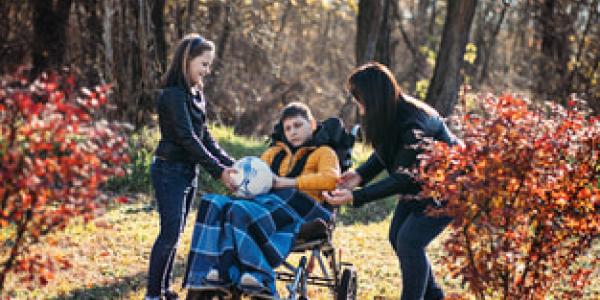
(253, 177)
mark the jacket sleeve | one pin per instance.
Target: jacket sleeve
(369, 169)
(399, 181)
(328, 172)
(395, 184)
(444, 134)
(177, 111)
(215, 149)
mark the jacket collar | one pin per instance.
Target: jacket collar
(302, 149)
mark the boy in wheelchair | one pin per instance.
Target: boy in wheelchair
(237, 243)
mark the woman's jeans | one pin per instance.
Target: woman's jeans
(410, 232)
(175, 185)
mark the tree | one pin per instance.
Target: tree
(54, 158)
(158, 23)
(555, 22)
(368, 25)
(524, 191)
(442, 93)
(488, 20)
(384, 49)
(50, 20)
(372, 19)
(583, 77)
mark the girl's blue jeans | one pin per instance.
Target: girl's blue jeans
(175, 185)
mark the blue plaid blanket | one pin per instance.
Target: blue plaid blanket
(254, 236)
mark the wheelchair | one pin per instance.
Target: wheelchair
(317, 254)
(339, 277)
(320, 262)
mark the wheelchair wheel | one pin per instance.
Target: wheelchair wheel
(347, 287)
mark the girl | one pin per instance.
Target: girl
(185, 142)
(393, 123)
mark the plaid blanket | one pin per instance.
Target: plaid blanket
(236, 236)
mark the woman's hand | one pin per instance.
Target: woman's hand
(349, 180)
(338, 196)
(227, 178)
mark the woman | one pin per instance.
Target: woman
(393, 124)
(185, 142)
(239, 242)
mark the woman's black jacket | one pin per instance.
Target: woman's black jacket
(399, 157)
(184, 135)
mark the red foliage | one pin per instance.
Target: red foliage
(55, 154)
(525, 192)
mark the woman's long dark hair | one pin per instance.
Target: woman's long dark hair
(190, 46)
(387, 111)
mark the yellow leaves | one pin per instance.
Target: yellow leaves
(470, 53)
(439, 176)
(353, 4)
(560, 198)
(497, 202)
(421, 88)
(452, 188)
(429, 53)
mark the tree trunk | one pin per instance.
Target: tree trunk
(92, 42)
(478, 38)
(442, 93)
(368, 26)
(221, 47)
(383, 53)
(555, 26)
(581, 78)
(191, 8)
(49, 33)
(158, 24)
(215, 10)
(107, 21)
(323, 53)
(418, 63)
(282, 24)
(179, 26)
(490, 47)
(432, 17)
(370, 15)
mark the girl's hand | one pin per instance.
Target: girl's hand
(349, 180)
(227, 178)
(338, 196)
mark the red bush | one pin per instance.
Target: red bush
(525, 192)
(54, 157)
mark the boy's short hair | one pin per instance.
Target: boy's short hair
(296, 109)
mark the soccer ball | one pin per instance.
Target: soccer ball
(253, 177)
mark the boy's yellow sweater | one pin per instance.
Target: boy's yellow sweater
(320, 173)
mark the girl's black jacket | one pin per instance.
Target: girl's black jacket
(184, 135)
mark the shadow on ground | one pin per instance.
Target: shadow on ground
(116, 290)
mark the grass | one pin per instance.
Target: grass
(109, 255)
